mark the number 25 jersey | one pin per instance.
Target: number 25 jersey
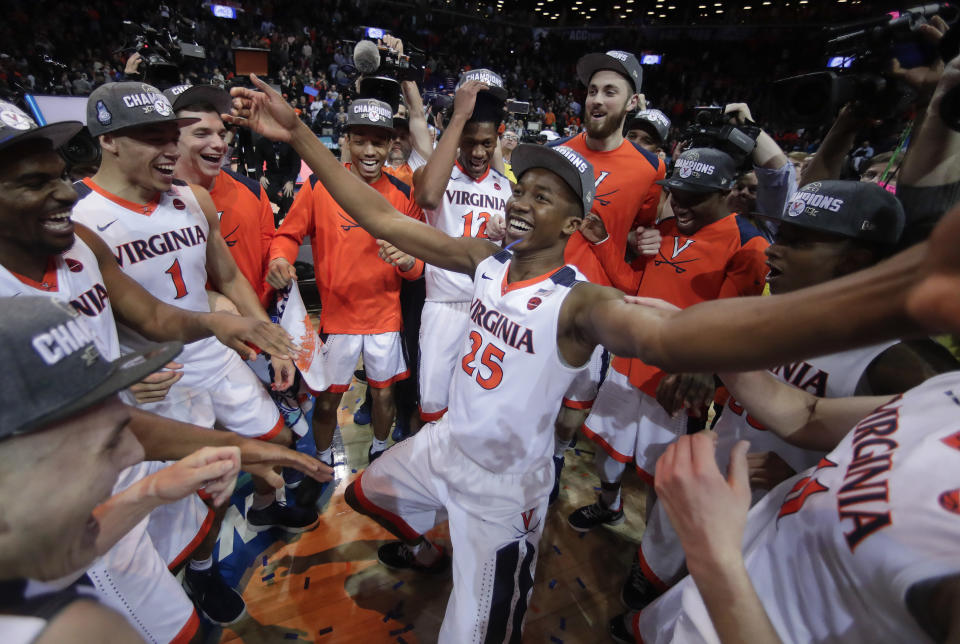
(510, 378)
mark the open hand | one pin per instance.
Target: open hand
(393, 255)
(155, 387)
(237, 332)
(213, 469)
(264, 111)
(466, 97)
(686, 391)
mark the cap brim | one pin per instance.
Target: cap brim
(528, 155)
(57, 133)
(386, 128)
(126, 370)
(200, 94)
(680, 184)
(590, 64)
(181, 122)
(645, 125)
(498, 93)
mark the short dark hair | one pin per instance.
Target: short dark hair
(199, 107)
(488, 109)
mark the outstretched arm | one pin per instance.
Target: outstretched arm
(267, 113)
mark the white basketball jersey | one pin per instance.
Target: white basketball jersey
(163, 246)
(510, 379)
(74, 277)
(832, 376)
(468, 204)
(833, 551)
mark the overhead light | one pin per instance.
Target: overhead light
(623, 16)
(616, 7)
(663, 15)
(649, 13)
(671, 7)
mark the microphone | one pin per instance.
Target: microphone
(366, 57)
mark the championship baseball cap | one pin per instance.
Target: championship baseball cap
(488, 77)
(702, 170)
(622, 62)
(115, 106)
(17, 127)
(181, 96)
(575, 171)
(849, 208)
(53, 366)
(370, 111)
(653, 121)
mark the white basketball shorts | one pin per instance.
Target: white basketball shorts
(443, 327)
(629, 425)
(382, 359)
(495, 520)
(583, 390)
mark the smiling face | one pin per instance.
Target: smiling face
(400, 146)
(694, 210)
(645, 139)
(802, 257)
(542, 212)
(477, 143)
(146, 156)
(89, 450)
(368, 147)
(609, 97)
(35, 201)
(202, 147)
(743, 197)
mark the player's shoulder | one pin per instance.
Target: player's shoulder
(749, 234)
(567, 141)
(252, 186)
(637, 152)
(399, 185)
(83, 190)
(498, 178)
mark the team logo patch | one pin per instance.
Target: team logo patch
(74, 265)
(685, 172)
(950, 501)
(533, 303)
(162, 107)
(497, 186)
(179, 205)
(104, 117)
(16, 119)
(796, 208)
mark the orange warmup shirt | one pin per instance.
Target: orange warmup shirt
(360, 292)
(404, 172)
(626, 197)
(723, 259)
(246, 223)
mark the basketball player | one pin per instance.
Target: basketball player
(40, 253)
(62, 420)
(649, 129)
(246, 218)
(462, 196)
(625, 202)
(705, 254)
(360, 293)
(882, 302)
(813, 245)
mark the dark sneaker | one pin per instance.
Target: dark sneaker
(397, 555)
(215, 600)
(286, 517)
(362, 416)
(401, 429)
(310, 489)
(558, 462)
(596, 514)
(372, 455)
(638, 591)
(360, 374)
(292, 478)
(621, 628)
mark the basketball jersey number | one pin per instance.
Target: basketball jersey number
(483, 218)
(490, 353)
(177, 276)
(738, 409)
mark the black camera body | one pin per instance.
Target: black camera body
(163, 49)
(862, 52)
(711, 129)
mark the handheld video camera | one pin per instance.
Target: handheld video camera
(859, 56)
(711, 129)
(163, 49)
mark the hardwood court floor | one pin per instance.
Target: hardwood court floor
(326, 585)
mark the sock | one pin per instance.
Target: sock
(202, 564)
(378, 445)
(326, 455)
(425, 553)
(261, 501)
(560, 448)
(610, 495)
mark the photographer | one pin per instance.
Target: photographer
(276, 165)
